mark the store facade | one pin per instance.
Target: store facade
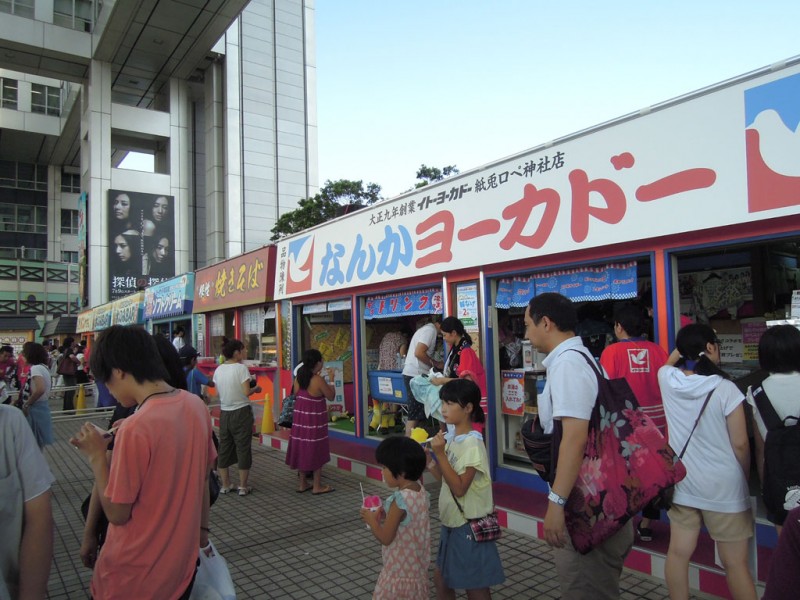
(168, 305)
(233, 300)
(692, 209)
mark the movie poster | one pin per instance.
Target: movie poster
(141, 241)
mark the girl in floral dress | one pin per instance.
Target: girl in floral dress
(403, 524)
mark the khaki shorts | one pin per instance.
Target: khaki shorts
(722, 527)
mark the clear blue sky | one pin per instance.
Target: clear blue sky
(467, 82)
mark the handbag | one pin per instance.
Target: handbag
(538, 446)
(664, 500)
(626, 463)
(213, 579)
(66, 366)
(287, 411)
(484, 529)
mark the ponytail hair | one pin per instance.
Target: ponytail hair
(691, 342)
(451, 324)
(306, 371)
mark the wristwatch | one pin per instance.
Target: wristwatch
(556, 499)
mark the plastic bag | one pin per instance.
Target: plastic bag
(213, 580)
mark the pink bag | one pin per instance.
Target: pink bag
(627, 462)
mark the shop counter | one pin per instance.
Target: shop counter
(387, 386)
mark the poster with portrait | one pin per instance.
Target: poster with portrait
(141, 241)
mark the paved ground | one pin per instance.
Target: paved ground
(280, 544)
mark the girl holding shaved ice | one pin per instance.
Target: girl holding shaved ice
(403, 523)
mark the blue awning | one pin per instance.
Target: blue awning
(584, 284)
(404, 304)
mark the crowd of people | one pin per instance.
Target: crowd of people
(686, 394)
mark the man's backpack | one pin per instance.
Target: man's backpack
(781, 459)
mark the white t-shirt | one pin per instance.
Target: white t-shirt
(424, 335)
(178, 342)
(81, 363)
(781, 389)
(714, 479)
(229, 378)
(571, 387)
(43, 372)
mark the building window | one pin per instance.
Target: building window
(21, 8)
(45, 99)
(69, 257)
(75, 14)
(24, 176)
(8, 99)
(70, 183)
(69, 221)
(17, 218)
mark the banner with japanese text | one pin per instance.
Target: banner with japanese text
(722, 157)
(170, 298)
(241, 281)
(404, 304)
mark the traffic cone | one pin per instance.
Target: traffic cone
(267, 422)
(80, 402)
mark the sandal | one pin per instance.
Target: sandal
(244, 491)
(227, 490)
(326, 490)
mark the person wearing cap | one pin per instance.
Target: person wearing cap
(195, 378)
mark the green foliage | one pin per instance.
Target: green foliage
(334, 199)
(428, 175)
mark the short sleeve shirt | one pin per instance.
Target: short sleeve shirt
(161, 459)
(571, 387)
(228, 379)
(462, 452)
(424, 335)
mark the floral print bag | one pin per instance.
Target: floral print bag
(627, 462)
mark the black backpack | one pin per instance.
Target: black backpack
(781, 457)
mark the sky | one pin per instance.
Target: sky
(468, 82)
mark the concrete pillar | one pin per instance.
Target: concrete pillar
(96, 179)
(180, 169)
(214, 164)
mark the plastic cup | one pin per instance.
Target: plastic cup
(372, 503)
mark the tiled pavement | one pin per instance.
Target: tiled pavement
(280, 544)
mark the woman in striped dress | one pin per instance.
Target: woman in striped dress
(309, 447)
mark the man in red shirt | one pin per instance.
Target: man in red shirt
(638, 361)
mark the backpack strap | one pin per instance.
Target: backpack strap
(766, 410)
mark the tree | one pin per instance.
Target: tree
(334, 199)
(428, 175)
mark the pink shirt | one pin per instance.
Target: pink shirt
(162, 456)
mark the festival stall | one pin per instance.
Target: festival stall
(233, 300)
(168, 305)
(626, 211)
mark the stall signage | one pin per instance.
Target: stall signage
(85, 321)
(336, 368)
(731, 349)
(720, 158)
(102, 316)
(418, 302)
(241, 281)
(467, 301)
(513, 392)
(751, 335)
(173, 297)
(129, 310)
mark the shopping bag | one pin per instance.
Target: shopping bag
(213, 580)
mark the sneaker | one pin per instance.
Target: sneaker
(227, 490)
(645, 533)
(244, 491)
